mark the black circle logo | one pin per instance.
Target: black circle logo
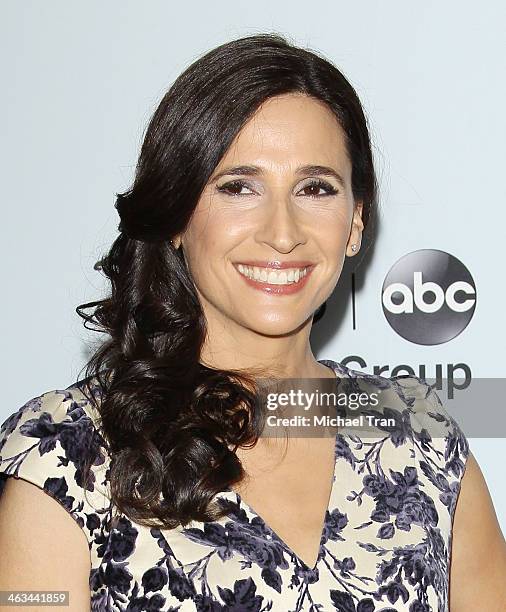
(428, 297)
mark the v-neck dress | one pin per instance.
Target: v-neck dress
(386, 539)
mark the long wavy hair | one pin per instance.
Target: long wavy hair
(171, 424)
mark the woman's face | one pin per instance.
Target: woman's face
(281, 195)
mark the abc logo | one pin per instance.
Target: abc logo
(428, 297)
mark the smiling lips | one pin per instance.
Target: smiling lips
(276, 277)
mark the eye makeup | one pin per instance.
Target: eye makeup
(238, 184)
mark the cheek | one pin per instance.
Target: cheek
(221, 232)
(333, 235)
(207, 243)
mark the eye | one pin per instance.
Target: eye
(316, 185)
(233, 188)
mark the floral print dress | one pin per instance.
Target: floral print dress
(385, 544)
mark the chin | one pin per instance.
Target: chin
(276, 325)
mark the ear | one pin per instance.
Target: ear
(176, 241)
(357, 227)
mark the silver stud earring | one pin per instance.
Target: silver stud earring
(353, 247)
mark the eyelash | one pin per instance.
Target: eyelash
(330, 190)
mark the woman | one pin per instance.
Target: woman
(254, 182)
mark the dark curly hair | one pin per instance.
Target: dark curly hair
(171, 424)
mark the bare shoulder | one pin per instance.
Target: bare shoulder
(42, 546)
(478, 556)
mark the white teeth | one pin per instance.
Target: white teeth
(273, 277)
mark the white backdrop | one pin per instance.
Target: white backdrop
(81, 79)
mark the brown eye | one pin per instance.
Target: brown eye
(315, 186)
(233, 188)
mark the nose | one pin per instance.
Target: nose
(281, 227)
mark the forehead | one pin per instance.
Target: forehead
(287, 131)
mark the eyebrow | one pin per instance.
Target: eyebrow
(314, 170)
